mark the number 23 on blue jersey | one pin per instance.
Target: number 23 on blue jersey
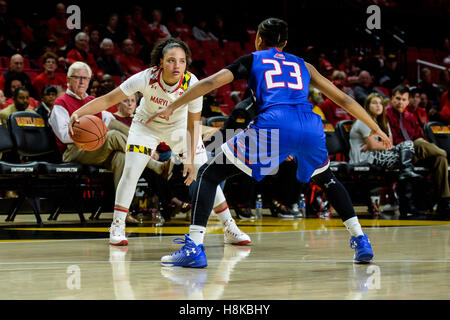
(295, 73)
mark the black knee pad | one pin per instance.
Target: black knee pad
(325, 179)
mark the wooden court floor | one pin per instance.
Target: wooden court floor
(301, 259)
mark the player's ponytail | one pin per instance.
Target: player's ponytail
(273, 31)
(161, 48)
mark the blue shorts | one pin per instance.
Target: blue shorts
(275, 134)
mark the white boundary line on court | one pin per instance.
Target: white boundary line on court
(349, 261)
(28, 241)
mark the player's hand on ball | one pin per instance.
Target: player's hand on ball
(165, 114)
(188, 173)
(73, 119)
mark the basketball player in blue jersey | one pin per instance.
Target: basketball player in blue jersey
(285, 125)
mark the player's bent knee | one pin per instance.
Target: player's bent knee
(208, 172)
(325, 179)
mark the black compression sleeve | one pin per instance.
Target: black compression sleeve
(241, 67)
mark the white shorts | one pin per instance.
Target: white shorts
(141, 137)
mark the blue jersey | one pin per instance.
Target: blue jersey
(285, 124)
(279, 78)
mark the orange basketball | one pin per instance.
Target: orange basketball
(90, 133)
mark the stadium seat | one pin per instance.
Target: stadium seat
(6, 143)
(240, 85)
(336, 148)
(4, 62)
(212, 45)
(217, 121)
(37, 178)
(439, 134)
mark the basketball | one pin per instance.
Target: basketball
(90, 133)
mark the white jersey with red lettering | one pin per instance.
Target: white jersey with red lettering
(158, 95)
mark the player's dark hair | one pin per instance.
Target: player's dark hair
(402, 89)
(273, 31)
(160, 49)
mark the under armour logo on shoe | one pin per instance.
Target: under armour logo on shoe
(192, 250)
(327, 185)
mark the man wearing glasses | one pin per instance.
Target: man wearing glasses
(111, 155)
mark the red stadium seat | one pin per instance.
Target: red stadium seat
(249, 47)
(384, 90)
(212, 45)
(4, 62)
(215, 62)
(226, 89)
(201, 54)
(26, 63)
(240, 85)
(193, 44)
(117, 79)
(31, 73)
(233, 46)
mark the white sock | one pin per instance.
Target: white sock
(224, 215)
(119, 215)
(197, 233)
(353, 226)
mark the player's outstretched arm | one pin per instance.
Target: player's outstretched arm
(200, 88)
(98, 105)
(345, 101)
(193, 135)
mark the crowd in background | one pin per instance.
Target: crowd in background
(36, 54)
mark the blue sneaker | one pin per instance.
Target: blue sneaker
(189, 256)
(363, 249)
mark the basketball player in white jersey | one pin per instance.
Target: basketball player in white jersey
(161, 84)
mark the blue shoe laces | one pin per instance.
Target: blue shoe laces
(180, 241)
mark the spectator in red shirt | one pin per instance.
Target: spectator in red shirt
(128, 61)
(141, 24)
(106, 61)
(112, 30)
(49, 76)
(15, 71)
(178, 28)
(427, 86)
(404, 126)
(445, 108)
(13, 83)
(160, 31)
(94, 42)
(81, 52)
(51, 46)
(334, 113)
(414, 107)
(57, 26)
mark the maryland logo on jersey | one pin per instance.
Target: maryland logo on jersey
(154, 75)
(186, 80)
